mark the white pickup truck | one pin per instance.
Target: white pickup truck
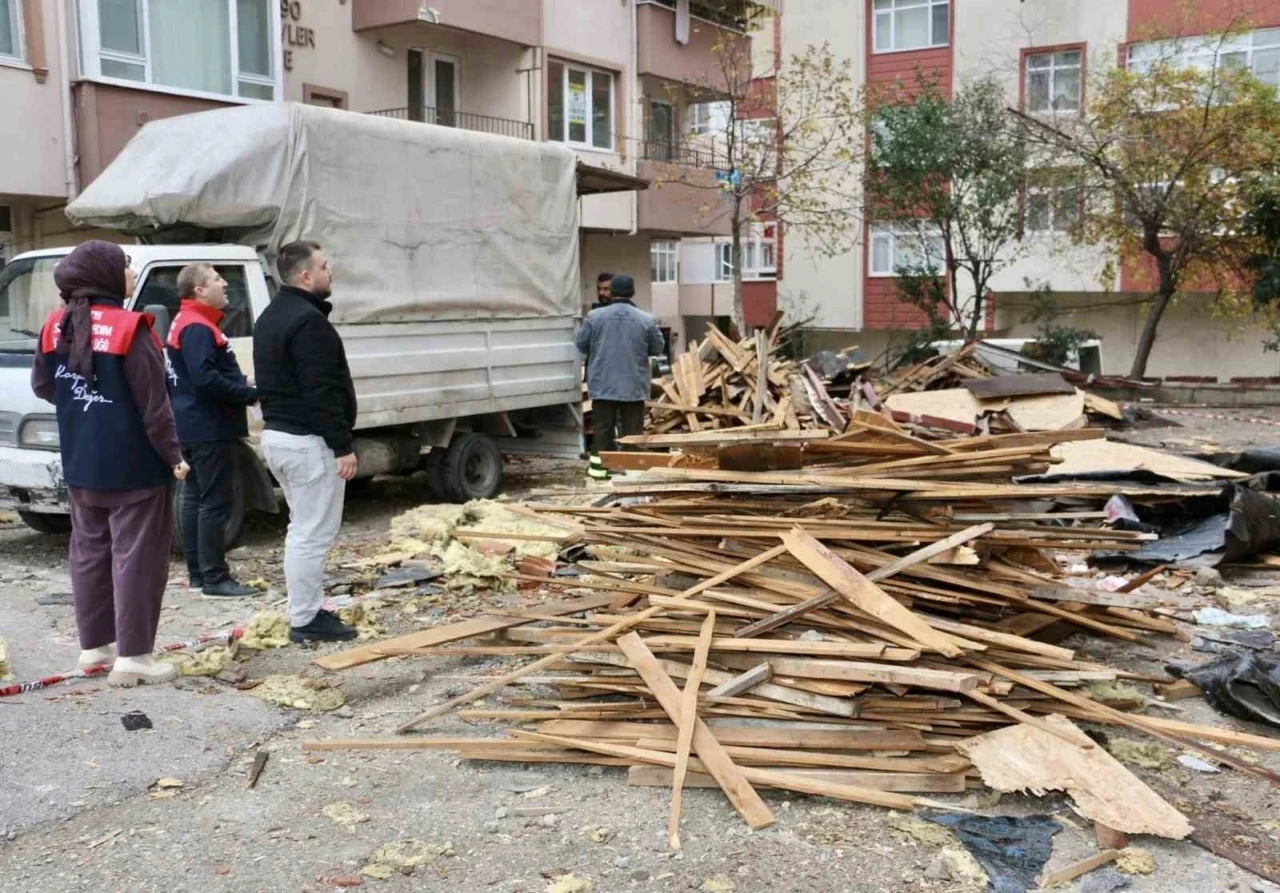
(456, 291)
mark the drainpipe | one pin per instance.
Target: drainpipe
(68, 132)
(633, 105)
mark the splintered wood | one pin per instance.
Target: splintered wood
(722, 384)
(875, 626)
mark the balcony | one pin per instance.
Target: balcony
(519, 21)
(700, 61)
(463, 120)
(682, 198)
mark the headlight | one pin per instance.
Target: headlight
(39, 432)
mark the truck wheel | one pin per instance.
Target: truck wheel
(42, 523)
(235, 523)
(472, 467)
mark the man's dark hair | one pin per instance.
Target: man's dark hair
(604, 277)
(294, 258)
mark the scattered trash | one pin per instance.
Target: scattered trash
(364, 617)
(409, 574)
(164, 788)
(922, 832)
(1104, 880)
(1112, 584)
(346, 814)
(259, 763)
(1219, 617)
(208, 661)
(266, 629)
(1199, 765)
(1135, 860)
(1257, 639)
(315, 695)
(718, 884)
(1244, 684)
(956, 864)
(1146, 754)
(569, 883)
(166, 783)
(404, 857)
(1207, 577)
(55, 598)
(1011, 850)
(6, 669)
(135, 720)
(601, 835)
(343, 880)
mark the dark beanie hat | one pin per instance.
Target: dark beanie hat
(622, 286)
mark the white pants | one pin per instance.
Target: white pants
(307, 471)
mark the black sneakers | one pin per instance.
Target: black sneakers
(228, 588)
(324, 627)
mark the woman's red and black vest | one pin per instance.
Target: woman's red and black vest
(101, 430)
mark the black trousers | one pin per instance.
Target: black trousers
(610, 416)
(206, 508)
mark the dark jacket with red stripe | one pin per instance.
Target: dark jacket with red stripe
(208, 390)
(103, 436)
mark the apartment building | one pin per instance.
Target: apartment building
(1042, 52)
(619, 81)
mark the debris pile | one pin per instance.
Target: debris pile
(880, 624)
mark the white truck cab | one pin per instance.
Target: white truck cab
(31, 480)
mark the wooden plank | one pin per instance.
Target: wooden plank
(688, 714)
(1073, 871)
(453, 632)
(796, 736)
(901, 782)
(702, 410)
(718, 763)
(638, 461)
(770, 777)
(819, 759)
(864, 594)
(743, 682)
(550, 660)
(860, 671)
(715, 438)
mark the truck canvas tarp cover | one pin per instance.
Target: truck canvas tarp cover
(420, 222)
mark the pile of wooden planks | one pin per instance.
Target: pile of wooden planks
(855, 630)
(721, 383)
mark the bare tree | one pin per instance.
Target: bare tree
(782, 141)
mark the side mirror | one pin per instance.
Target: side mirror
(163, 321)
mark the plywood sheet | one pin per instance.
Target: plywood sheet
(1025, 758)
(956, 404)
(1093, 456)
(1052, 412)
(1019, 385)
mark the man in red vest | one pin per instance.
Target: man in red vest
(209, 394)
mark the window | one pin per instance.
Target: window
(221, 47)
(895, 247)
(1052, 209)
(27, 297)
(708, 117)
(663, 267)
(911, 24)
(724, 262)
(1258, 51)
(161, 287)
(579, 106)
(661, 132)
(6, 234)
(759, 253)
(1053, 81)
(10, 30)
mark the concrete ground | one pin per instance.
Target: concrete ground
(78, 810)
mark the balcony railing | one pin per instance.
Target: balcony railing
(689, 153)
(462, 120)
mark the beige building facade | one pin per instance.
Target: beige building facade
(614, 79)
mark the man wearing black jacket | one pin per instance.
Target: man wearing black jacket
(209, 395)
(309, 407)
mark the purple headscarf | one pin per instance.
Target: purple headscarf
(94, 269)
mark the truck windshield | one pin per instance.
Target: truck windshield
(27, 297)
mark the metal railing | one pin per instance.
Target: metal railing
(462, 120)
(689, 154)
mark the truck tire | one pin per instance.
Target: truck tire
(235, 523)
(472, 467)
(42, 523)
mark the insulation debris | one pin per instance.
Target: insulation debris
(6, 668)
(404, 857)
(314, 695)
(266, 629)
(346, 814)
(208, 661)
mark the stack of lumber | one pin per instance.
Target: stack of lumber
(859, 631)
(721, 383)
(936, 373)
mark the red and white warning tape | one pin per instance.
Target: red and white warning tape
(19, 688)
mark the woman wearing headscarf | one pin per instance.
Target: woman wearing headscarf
(102, 366)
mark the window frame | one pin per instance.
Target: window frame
(893, 8)
(1053, 51)
(92, 54)
(664, 254)
(13, 9)
(723, 262)
(1190, 49)
(1051, 192)
(590, 72)
(895, 232)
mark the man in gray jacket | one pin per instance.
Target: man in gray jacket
(618, 341)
